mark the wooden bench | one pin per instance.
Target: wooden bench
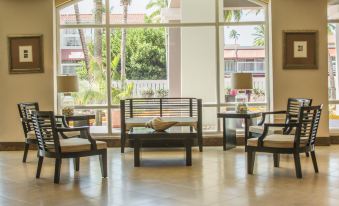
(137, 111)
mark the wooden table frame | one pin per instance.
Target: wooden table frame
(149, 135)
(229, 130)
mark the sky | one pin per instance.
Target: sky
(246, 37)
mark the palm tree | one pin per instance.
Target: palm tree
(98, 11)
(82, 36)
(259, 34)
(235, 36)
(125, 4)
(158, 5)
(232, 14)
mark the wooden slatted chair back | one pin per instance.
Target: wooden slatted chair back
(309, 118)
(45, 130)
(25, 110)
(161, 107)
(293, 108)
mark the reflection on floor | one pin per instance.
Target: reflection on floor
(216, 178)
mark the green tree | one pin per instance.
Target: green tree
(230, 15)
(235, 36)
(157, 5)
(259, 36)
(145, 53)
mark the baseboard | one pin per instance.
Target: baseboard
(209, 140)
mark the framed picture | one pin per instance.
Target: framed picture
(300, 50)
(25, 54)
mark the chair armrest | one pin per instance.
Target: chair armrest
(263, 115)
(84, 133)
(63, 120)
(267, 126)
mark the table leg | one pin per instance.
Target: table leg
(188, 144)
(136, 152)
(230, 139)
(248, 123)
(224, 134)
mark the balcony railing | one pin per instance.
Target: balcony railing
(241, 66)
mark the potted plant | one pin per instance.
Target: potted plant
(147, 93)
(161, 93)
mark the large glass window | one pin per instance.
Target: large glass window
(161, 48)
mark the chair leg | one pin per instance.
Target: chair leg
(250, 161)
(276, 158)
(200, 141)
(122, 142)
(57, 170)
(25, 152)
(103, 163)
(38, 171)
(314, 160)
(76, 163)
(296, 156)
(307, 154)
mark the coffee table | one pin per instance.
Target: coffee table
(182, 134)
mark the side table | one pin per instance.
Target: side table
(229, 126)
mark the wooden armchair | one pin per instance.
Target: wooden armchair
(50, 145)
(302, 141)
(291, 116)
(25, 110)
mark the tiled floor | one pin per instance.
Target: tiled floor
(216, 178)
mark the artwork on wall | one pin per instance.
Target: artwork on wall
(300, 50)
(25, 54)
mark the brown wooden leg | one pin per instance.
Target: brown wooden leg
(250, 161)
(76, 162)
(136, 152)
(103, 163)
(276, 158)
(57, 170)
(307, 154)
(123, 141)
(296, 156)
(38, 171)
(188, 145)
(25, 152)
(314, 160)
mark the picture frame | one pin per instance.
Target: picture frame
(25, 53)
(300, 49)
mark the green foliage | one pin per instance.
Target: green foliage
(147, 93)
(145, 53)
(161, 93)
(234, 35)
(230, 15)
(118, 94)
(259, 35)
(154, 17)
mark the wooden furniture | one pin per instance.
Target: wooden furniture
(50, 145)
(291, 116)
(78, 120)
(25, 111)
(186, 111)
(229, 126)
(302, 141)
(183, 134)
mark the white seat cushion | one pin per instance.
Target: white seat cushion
(141, 121)
(277, 141)
(77, 145)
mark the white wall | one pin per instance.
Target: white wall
(299, 15)
(19, 17)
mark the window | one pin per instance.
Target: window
(138, 48)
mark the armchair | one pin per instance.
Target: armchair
(291, 116)
(302, 141)
(51, 146)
